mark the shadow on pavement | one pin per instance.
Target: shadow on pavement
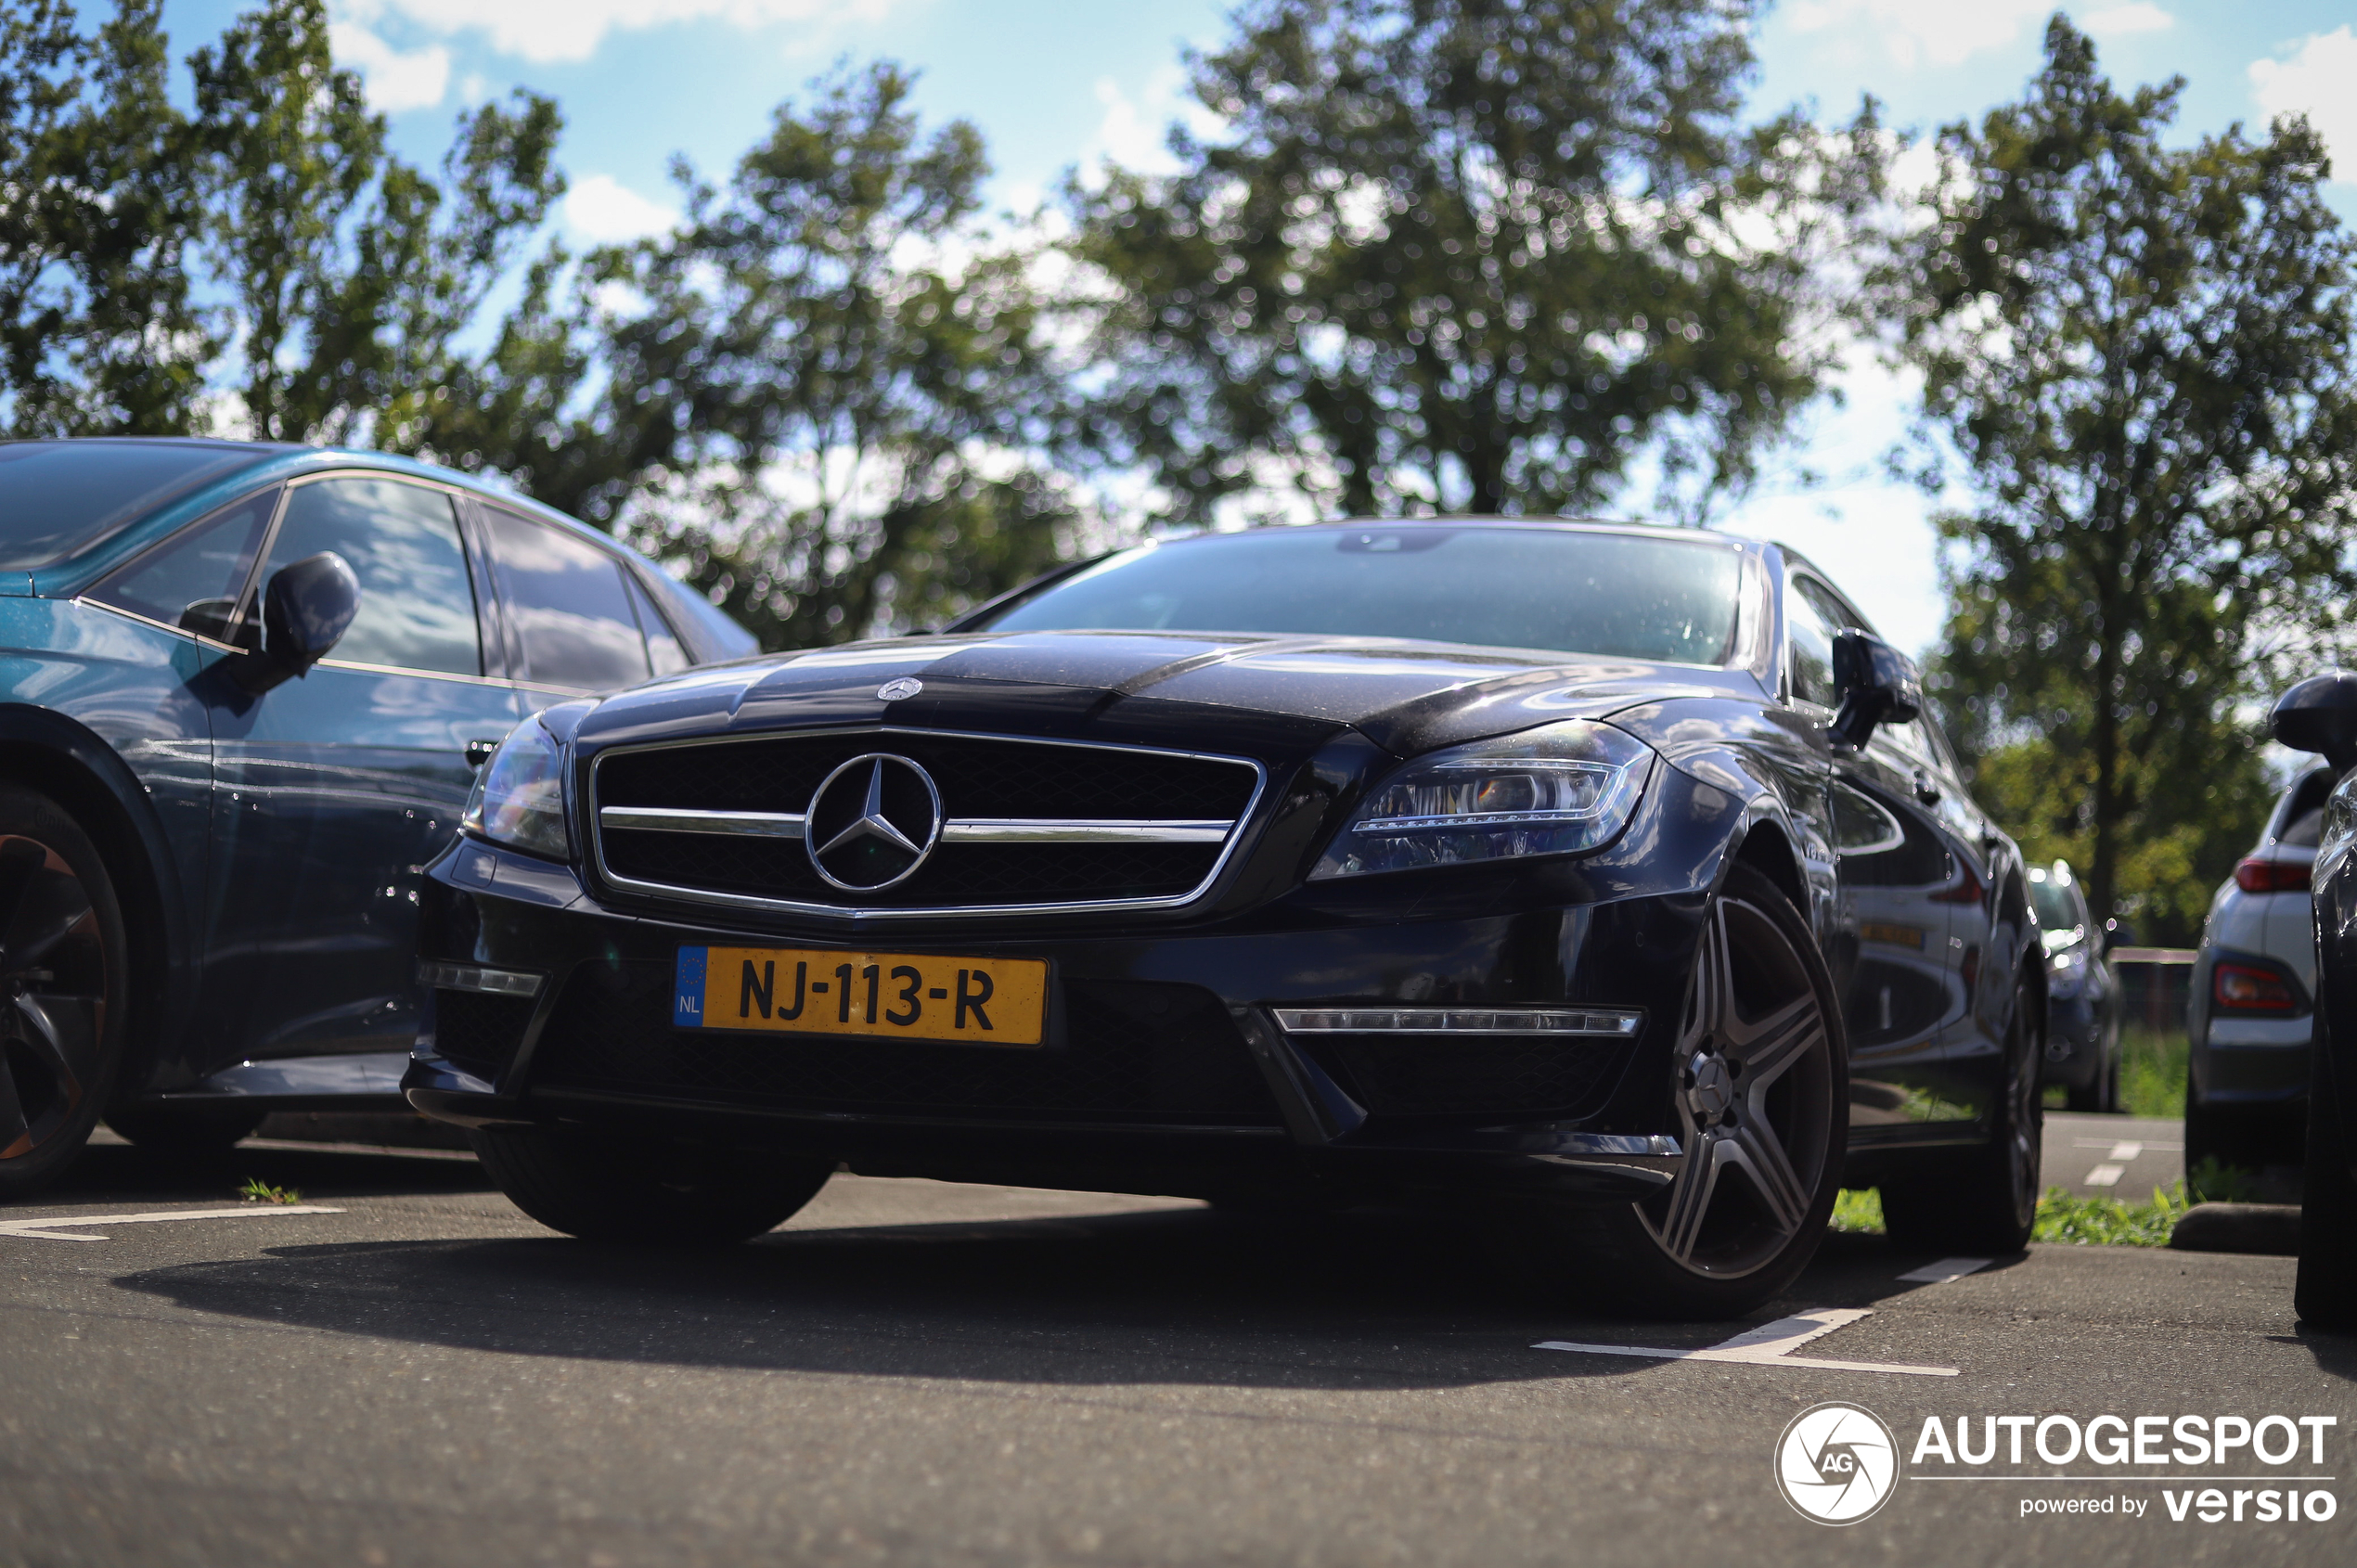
(117, 1171)
(1362, 1300)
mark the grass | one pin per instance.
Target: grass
(256, 1191)
(2152, 1073)
(2085, 1222)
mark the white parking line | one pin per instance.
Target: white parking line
(1767, 1346)
(2105, 1176)
(44, 1227)
(1942, 1272)
(2156, 1145)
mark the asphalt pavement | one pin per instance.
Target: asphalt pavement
(2123, 1157)
(918, 1373)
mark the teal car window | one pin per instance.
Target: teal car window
(192, 580)
(663, 644)
(416, 600)
(58, 497)
(564, 597)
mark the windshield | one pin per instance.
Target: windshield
(2056, 909)
(60, 496)
(1503, 586)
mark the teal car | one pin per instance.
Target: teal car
(244, 690)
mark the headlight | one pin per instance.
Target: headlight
(520, 796)
(1553, 790)
(2067, 971)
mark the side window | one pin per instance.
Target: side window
(568, 608)
(417, 601)
(663, 644)
(1812, 648)
(192, 580)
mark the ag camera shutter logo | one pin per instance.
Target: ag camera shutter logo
(1837, 1463)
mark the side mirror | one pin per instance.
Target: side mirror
(2320, 715)
(305, 610)
(1873, 682)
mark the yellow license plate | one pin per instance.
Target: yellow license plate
(822, 991)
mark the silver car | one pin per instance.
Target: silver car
(2250, 1012)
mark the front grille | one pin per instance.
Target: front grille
(1131, 1051)
(1474, 1075)
(978, 777)
(479, 1033)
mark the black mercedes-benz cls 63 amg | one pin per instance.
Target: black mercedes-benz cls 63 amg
(1603, 876)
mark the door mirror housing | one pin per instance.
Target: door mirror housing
(306, 607)
(1873, 682)
(2320, 715)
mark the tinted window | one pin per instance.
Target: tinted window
(663, 648)
(1812, 650)
(1614, 594)
(2057, 903)
(60, 497)
(192, 580)
(567, 607)
(417, 602)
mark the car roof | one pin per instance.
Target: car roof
(274, 462)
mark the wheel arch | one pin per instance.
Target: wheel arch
(42, 749)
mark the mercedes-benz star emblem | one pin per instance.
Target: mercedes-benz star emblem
(872, 822)
(893, 691)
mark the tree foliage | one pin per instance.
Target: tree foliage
(2142, 353)
(840, 382)
(1466, 255)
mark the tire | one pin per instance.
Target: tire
(191, 1134)
(65, 989)
(2325, 1293)
(1761, 1084)
(1987, 1202)
(618, 1189)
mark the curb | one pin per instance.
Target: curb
(2269, 1229)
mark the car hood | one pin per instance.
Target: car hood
(1406, 696)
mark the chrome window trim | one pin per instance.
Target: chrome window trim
(1234, 837)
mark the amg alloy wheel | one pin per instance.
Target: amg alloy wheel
(63, 989)
(1760, 1093)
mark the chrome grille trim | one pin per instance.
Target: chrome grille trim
(742, 824)
(1059, 831)
(1232, 831)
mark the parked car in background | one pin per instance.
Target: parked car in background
(2320, 715)
(1605, 876)
(244, 692)
(2082, 992)
(2249, 1015)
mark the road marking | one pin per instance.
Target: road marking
(2154, 1144)
(1767, 1346)
(2124, 1152)
(1945, 1270)
(2105, 1176)
(43, 1228)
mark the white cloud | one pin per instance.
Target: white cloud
(396, 79)
(1940, 31)
(1134, 131)
(545, 30)
(2120, 22)
(603, 210)
(2317, 81)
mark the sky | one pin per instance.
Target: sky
(1058, 85)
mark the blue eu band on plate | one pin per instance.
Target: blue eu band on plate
(827, 991)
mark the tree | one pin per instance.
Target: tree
(2142, 353)
(830, 376)
(349, 271)
(1466, 255)
(97, 329)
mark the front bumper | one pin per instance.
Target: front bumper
(1167, 1069)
